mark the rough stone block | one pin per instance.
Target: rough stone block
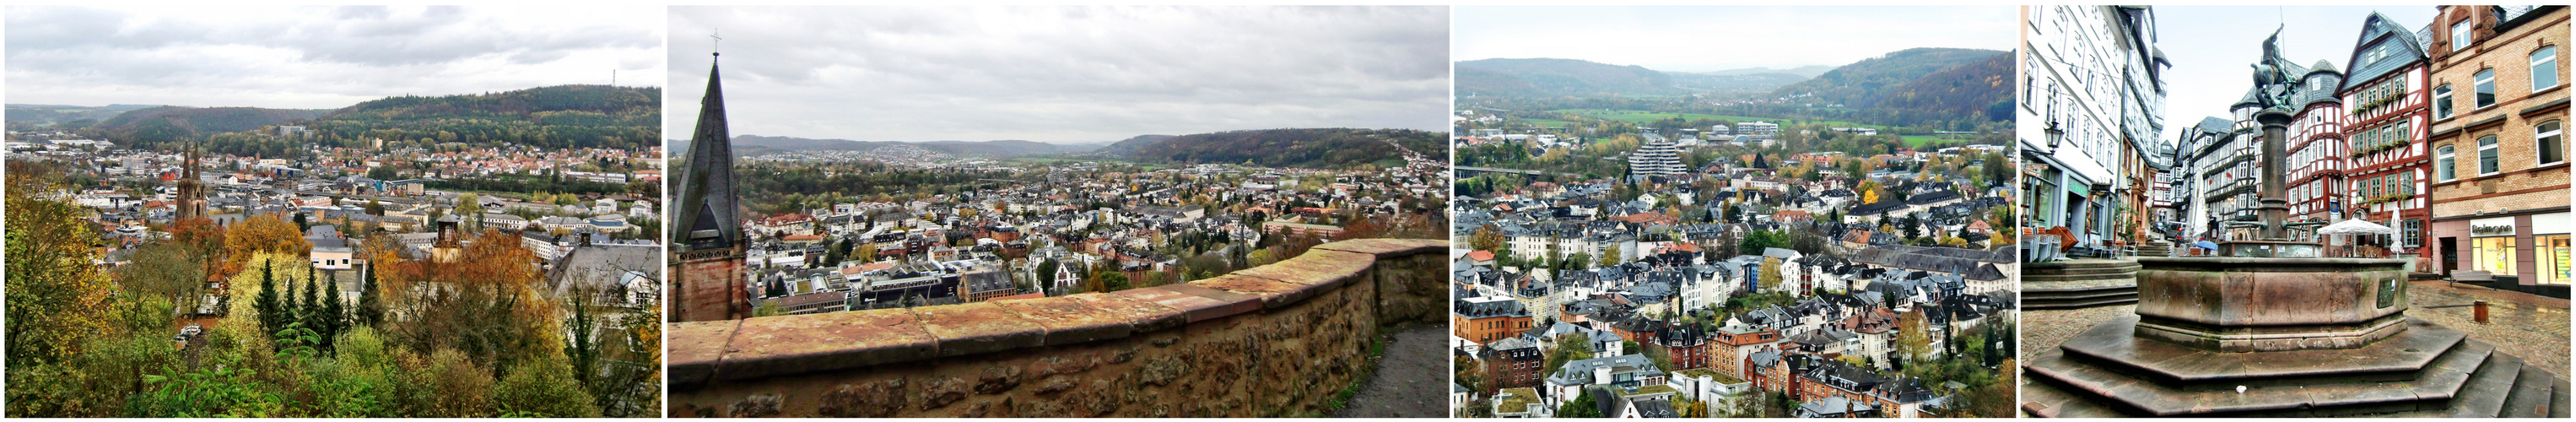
(1199, 307)
(696, 349)
(973, 328)
(1388, 248)
(1274, 294)
(1322, 268)
(1143, 316)
(1069, 321)
(827, 341)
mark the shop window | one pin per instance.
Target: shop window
(2553, 256)
(2495, 255)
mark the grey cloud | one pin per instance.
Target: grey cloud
(1068, 74)
(321, 56)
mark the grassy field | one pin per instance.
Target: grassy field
(1547, 122)
(1642, 116)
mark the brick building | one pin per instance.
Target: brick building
(1730, 347)
(1485, 320)
(2499, 114)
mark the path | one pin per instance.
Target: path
(1411, 379)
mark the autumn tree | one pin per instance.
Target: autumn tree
(53, 287)
(1487, 238)
(1913, 339)
(263, 233)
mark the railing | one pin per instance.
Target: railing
(1269, 341)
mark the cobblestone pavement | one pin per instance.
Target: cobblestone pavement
(2528, 326)
(2043, 329)
(1412, 379)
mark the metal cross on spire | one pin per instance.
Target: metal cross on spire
(719, 41)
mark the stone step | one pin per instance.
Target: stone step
(2423, 345)
(2029, 292)
(2042, 399)
(2129, 278)
(2026, 303)
(2530, 395)
(2080, 267)
(2484, 395)
(2558, 392)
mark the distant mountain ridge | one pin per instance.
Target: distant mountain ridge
(1861, 85)
(169, 123)
(752, 144)
(35, 115)
(1558, 77)
(1980, 88)
(1808, 71)
(1327, 148)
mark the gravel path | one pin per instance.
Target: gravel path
(1412, 379)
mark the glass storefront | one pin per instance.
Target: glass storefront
(2554, 268)
(2495, 255)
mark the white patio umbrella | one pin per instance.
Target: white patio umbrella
(2356, 226)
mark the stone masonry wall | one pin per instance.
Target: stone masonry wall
(1270, 341)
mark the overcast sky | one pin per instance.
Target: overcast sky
(319, 57)
(1060, 74)
(2211, 47)
(1709, 38)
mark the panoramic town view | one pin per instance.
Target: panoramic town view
(2374, 223)
(339, 231)
(1813, 228)
(1222, 199)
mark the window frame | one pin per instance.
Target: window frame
(2460, 38)
(2489, 155)
(2445, 168)
(2442, 102)
(2551, 59)
(2482, 87)
(2541, 141)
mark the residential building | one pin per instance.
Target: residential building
(2500, 173)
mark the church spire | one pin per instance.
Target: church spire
(709, 211)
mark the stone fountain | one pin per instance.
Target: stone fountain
(2268, 328)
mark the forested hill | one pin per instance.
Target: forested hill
(1980, 88)
(563, 116)
(1558, 77)
(1863, 84)
(567, 116)
(1129, 146)
(1332, 148)
(154, 125)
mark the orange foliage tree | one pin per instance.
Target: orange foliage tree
(263, 233)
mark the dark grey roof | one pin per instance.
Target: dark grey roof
(707, 198)
(2378, 32)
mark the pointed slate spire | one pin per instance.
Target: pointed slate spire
(708, 210)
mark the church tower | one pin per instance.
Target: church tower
(708, 248)
(192, 190)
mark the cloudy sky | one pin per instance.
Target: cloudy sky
(1709, 38)
(1060, 74)
(2211, 47)
(319, 57)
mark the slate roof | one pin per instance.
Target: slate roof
(2404, 50)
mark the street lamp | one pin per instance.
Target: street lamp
(2055, 135)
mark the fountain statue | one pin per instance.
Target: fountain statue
(2269, 328)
